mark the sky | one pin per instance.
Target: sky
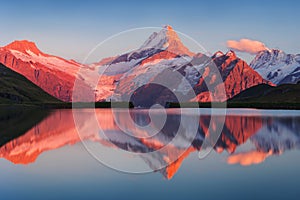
(70, 29)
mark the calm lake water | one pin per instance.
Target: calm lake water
(255, 156)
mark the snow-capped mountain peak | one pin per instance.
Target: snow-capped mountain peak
(272, 56)
(162, 45)
(166, 39)
(277, 66)
(23, 46)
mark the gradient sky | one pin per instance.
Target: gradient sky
(70, 29)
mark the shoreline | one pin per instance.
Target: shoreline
(169, 105)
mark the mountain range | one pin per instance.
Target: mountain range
(134, 74)
(277, 66)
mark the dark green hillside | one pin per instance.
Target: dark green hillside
(16, 89)
(285, 96)
(287, 93)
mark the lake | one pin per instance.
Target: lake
(114, 154)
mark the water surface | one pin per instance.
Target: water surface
(255, 157)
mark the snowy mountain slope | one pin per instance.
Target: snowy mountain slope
(277, 66)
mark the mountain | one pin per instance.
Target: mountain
(16, 89)
(283, 94)
(236, 75)
(277, 66)
(118, 74)
(140, 81)
(54, 75)
(137, 75)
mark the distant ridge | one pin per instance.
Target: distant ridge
(277, 66)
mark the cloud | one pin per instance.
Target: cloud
(246, 45)
(248, 158)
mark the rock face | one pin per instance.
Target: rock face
(277, 66)
(161, 70)
(236, 75)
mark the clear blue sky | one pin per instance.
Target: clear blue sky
(71, 28)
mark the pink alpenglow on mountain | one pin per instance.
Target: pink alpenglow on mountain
(53, 74)
(132, 73)
(237, 76)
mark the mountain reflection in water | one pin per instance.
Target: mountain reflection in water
(267, 134)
